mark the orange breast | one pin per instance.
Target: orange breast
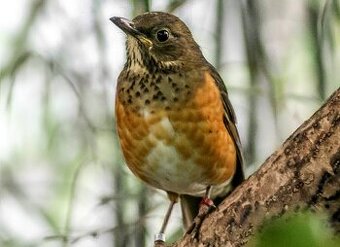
(180, 150)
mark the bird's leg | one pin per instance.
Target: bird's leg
(160, 237)
(206, 201)
(205, 207)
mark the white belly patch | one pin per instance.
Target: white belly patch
(168, 168)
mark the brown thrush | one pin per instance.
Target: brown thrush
(176, 125)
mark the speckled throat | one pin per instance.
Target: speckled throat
(146, 83)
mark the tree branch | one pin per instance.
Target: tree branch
(302, 174)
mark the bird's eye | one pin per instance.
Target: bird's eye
(162, 35)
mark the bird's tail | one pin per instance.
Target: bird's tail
(189, 207)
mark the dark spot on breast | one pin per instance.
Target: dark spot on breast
(137, 108)
(175, 99)
(159, 79)
(133, 83)
(158, 95)
(137, 94)
(169, 79)
(167, 108)
(142, 81)
(147, 102)
(130, 101)
(162, 98)
(145, 90)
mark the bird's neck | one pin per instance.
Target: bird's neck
(140, 60)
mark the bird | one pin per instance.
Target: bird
(175, 123)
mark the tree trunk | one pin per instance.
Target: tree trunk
(302, 174)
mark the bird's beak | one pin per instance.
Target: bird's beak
(128, 27)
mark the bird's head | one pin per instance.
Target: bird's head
(159, 40)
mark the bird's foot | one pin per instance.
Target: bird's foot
(206, 206)
(207, 202)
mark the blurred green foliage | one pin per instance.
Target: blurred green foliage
(297, 230)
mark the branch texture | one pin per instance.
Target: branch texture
(302, 174)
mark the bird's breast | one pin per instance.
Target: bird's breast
(181, 146)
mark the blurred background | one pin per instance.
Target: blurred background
(62, 178)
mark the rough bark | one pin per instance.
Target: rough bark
(302, 174)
